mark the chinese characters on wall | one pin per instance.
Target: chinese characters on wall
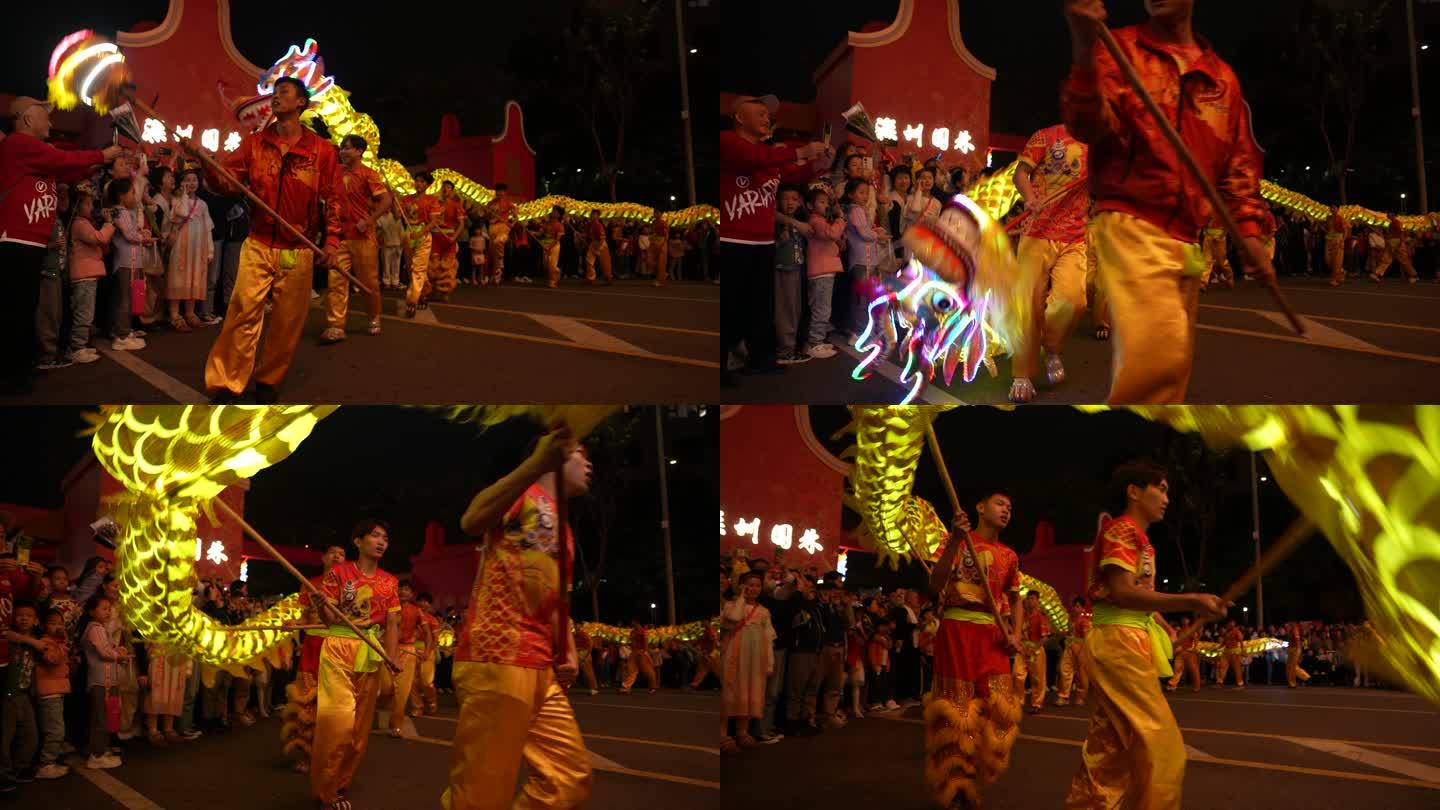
(780, 535)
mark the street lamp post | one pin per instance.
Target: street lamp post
(1414, 107)
(1255, 515)
(665, 514)
(685, 104)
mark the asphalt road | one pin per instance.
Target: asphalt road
(631, 342)
(1366, 343)
(646, 750)
(1263, 747)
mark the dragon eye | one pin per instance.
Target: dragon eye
(941, 302)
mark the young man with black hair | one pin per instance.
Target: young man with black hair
(422, 697)
(1031, 658)
(1133, 751)
(509, 675)
(972, 714)
(444, 261)
(502, 219)
(413, 631)
(348, 678)
(297, 173)
(422, 212)
(364, 199)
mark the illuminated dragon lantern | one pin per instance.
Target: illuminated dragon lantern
(951, 307)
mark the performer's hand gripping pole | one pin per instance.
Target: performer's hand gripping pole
(955, 507)
(1290, 540)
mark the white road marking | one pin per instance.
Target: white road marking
(1387, 762)
(1299, 705)
(567, 344)
(1192, 752)
(932, 395)
(632, 707)
(167, 385)
(584, 334)
(565, 290)
(1352, 291)
(114, 788)
(1323, 335)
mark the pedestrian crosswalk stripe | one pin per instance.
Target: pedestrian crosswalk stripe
(1375, 759)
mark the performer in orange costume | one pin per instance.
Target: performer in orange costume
(365, 200)
(1072, 661)
(422, 212)
(509, 677)
(1187, 659)
(297, 171)
(1230, 657)
(1397, 249)
(597, 249)
(1337, 233)
(972, 715)
(445, 262)
(422, 697)
(298, 727)
(1133, 752)
(707, 660)
(502, 219)
(1031, 658)
(551, 233)
(1292, 657)
(348, 681)
(656, 252)
(583, 647)
(639, 661)
(1149, 211)
(413, 630)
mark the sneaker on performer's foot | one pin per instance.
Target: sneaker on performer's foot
(394, 732)
(1022, 390)
(331, 335)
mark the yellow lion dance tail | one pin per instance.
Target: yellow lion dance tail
(297, 730)
(952, 737)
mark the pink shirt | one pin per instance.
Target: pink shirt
(87, 249)
(822, 249)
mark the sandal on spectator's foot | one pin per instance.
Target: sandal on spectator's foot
(179, 325)
(156, 739)
(194, 321)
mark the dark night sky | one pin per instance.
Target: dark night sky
(407, 66)
(409, 466)
(1029, 46)
(1056, 463)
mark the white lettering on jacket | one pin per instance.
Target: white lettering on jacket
(747, 200)
(40, 208)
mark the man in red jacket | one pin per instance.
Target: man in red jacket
(30, 170)
(749, 175)
(1149, 211)
(296, 172)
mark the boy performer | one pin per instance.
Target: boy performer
(422, 211)
(1187, 659)
(1337, 233)
(297, 730)
(348, 677)
(639, 661)
(502, 216)
(422, 698)
(1230, 658)
(1215, 245)
(972, 714)
(1396, 250)
(1292, 656)
(597, 249)
(1149, 211)
(412, 628)
(298, 169)
(1133, 751)
(365, 200)
(509, 677)
(583, 647)
(445, 260)
(1072, 660)
(1051, 176)
(1031, 658)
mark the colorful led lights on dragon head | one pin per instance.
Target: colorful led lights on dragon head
(87, 69)
(299, 62)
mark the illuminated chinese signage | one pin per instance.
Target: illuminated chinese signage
(780, 535)
(888, 129)
(154, 132)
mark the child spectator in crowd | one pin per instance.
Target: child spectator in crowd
(822, 265)
(479, 246)
(864, 243)
(130, 239)
(678, 246)
(51, 310)
(102, 656)
(52, 684)
(19, 739)
(88, 246)
(790, 234)
(877, 661)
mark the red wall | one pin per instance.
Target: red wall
(484, 159)
(768, 472)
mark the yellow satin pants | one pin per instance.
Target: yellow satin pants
(1215, 245)
(706, 663)
(261, 276)
(1395, 252)
(344, 712)
(1292, 666)
(1335, 257)
(499, 237)
(1228, 661)
(419, 270)
(423, 694)
(658, 265)
(1030, 660)
(1072, 669)
(1054, 274)
(508, 714)
(1152, 284)
(360, 258)
(638, 662)
(1133, 751)
(552, 264)
(396, 688)
(1099, 306)
(1186, 661)
(594, 251)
